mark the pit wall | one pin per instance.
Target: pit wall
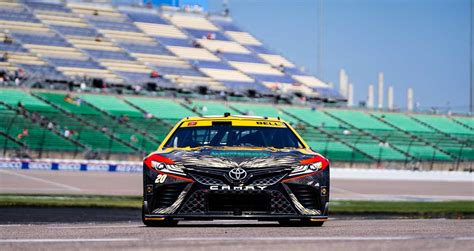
(136, 166)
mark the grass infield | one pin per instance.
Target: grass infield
(437, 208)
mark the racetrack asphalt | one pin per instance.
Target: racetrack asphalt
(336, 234)
(119, 183)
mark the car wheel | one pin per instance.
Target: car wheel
(287, 223)
(158, 223)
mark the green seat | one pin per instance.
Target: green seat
(164, 109)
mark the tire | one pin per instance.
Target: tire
(305, 223)
(161, 223)
(158, 223)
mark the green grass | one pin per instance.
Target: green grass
(402, 207)
(7, 200)
(336, 207)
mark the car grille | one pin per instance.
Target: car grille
(268, 181)
(166, 195)
(206, 180)
(306, 195)
(236, 202)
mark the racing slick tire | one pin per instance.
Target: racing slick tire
(158, 223)
(306, 223)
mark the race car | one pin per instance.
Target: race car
(235, 167)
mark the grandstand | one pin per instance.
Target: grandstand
(351, 136)
(163, 55)
(124, 46)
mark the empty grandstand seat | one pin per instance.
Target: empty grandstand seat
(145, 49)
(75, 63)
(251, 58)
(174, 41)
(47, 6)
(164, 109)
(145, 17)
(197, 33)
(75, 31)
(118, 55)
(212, 64)
(243, 86)
(273, 78)
(44, 40)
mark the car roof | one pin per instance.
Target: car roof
(229, 117)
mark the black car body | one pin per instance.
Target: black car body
(235, 168)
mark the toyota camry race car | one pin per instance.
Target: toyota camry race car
(235, 167)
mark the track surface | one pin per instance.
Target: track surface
(107, 183)
(247, 235)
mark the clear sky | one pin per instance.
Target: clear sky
(419, 43)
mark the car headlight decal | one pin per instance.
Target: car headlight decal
(310, 166)
(163, 164)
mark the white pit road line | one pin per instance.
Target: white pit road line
(293, 238)
(335, 238)
(66, 240)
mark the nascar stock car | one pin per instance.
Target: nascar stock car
(235, 167)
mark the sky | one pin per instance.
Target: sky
(422, 44)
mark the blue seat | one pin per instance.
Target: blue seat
(178, 71)
(141, 78)
(145, 18)
(213, 65)
(75, 63)
(259, 49)
(75, 31)
(47, 6)
(43, 40)
(293, 71)
(204, 33)
(44, 71)
(174, 41)
(109, 54)
(273, 78)
(12, 47)
(251, 58)
(329, 92)
(20, 17)
(225, 25)
(108, 25)
(245, 86)
(146, 49)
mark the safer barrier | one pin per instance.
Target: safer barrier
(71, 165)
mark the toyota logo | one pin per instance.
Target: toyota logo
(237, 174)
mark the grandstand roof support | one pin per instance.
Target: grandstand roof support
(390, 104)
(350, 95)
(380, 91)
(370, 97)
(343, 82)
(410, 99)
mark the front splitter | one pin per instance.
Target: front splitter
(236, 217)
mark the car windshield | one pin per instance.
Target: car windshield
(234, 136)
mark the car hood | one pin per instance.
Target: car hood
(218, 158)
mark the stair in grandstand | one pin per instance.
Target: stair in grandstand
(157, 125)
(373, 140)
(21, 127)
(323, 141)
(466, 122)
(443, 126)
(448, 135)
(126, 118)
(79, 130)
(414, 137)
